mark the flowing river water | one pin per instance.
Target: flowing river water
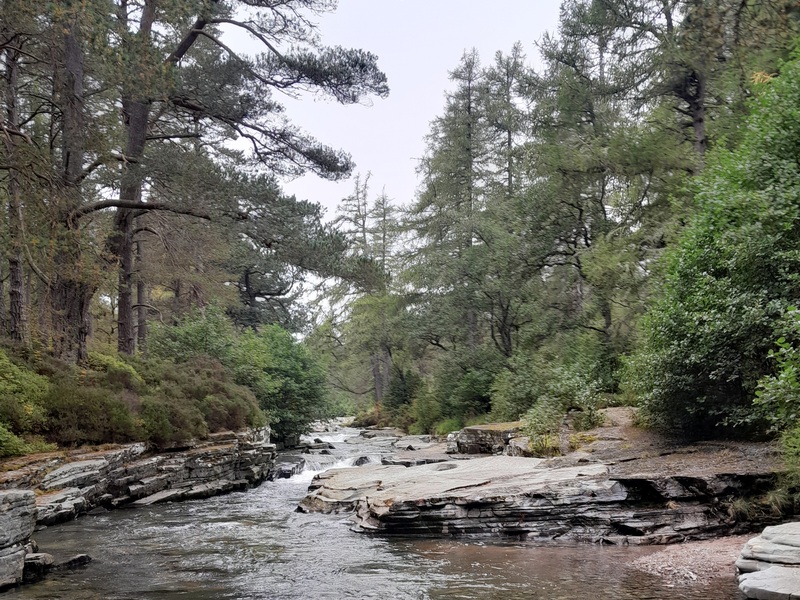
(253, 545)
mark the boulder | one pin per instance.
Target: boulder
(778, 544)
(486, 439)
(17, 516)
(36, 566)
(12, 563)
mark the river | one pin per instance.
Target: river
(253, 545)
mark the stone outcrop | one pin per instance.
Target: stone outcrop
(770, 564)
(17, 520)
(650, 499)
(492, 438)
(227, 461)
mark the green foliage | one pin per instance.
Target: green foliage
(778, 396)
(282, 376)
(116, 373)
(10, 444)
(287, 382)
(426, 411)
(207, 332)
(169, 423)
(544, 390)
(442, 428)
(85, 415)
(202, 386)
(730, 279)
(21, 394)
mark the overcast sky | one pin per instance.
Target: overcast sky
(417, 43)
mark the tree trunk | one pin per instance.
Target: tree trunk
(3, 318)
(136, 114)
(17, 322)
(377, 378)
(141, 301)
(698, 108)
(70, 291)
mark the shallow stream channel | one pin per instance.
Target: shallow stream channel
(253, 545)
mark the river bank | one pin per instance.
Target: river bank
(54, 488)
(693, 500)
(253, 544)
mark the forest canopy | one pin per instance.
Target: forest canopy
(617, 225)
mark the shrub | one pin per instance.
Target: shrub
(286, 380)
(170, 422)
(116, 374)
(10, 444)
(207, 332)
(21, 394)
(426, 411)
(84, 415)
(446, 426)
(730, 278)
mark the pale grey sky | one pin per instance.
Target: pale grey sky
(417, 42)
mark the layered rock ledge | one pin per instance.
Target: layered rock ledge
(770, 564)
(17, 520)
(68, 485)
(621, 486)
(57, 487)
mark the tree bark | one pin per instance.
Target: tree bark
(141, 301)
(71, 292)
(17, 321)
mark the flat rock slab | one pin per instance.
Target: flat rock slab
(340, 489)
(774, 583)
(508, 496)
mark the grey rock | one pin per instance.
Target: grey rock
(774, 583)
(505, 496)
(226, 462)
(36, 566)
(17, 516)
(77, 561)
(486, 439)
(777, 544)
(60, 506)
(12, 563)
(75, 474)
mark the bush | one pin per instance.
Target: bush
(205, 384)
(287, 382)
(21, 394)
(207, 332)
(113, 372)
(169, 422)
(446, 426)
(426, 411)
(84, 415)
(10, 444)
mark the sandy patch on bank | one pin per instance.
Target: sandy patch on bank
(695, 562)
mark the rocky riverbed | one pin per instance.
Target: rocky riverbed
(58, 487)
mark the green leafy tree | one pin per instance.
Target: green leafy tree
(731, 277)
(286, 380)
